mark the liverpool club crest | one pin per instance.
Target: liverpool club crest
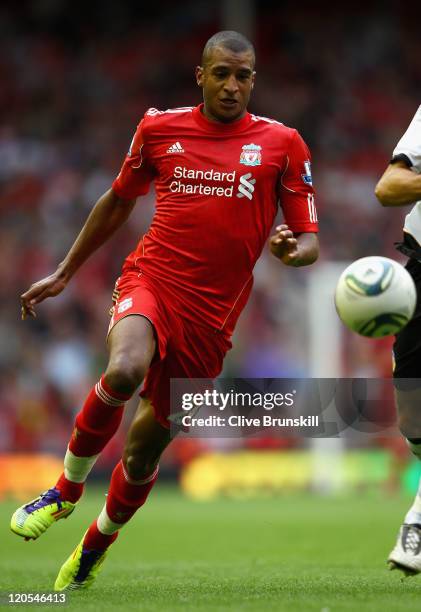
(251, 155)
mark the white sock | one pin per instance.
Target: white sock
(414, 513)
(105, 524)
(76, 469)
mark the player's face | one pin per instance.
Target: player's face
(227, 80)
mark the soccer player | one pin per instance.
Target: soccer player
(400, 185)
(219, 174)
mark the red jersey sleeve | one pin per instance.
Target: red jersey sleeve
(296, 188)
(136, 174)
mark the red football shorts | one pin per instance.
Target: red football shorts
(184, 349)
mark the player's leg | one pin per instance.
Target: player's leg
(201, 357)
(192, 353)
(406, 555)
(132, 346)
(131, 483)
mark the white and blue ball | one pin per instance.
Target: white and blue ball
(375, 297)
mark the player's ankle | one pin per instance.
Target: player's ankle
(69, 491)
(96, 540)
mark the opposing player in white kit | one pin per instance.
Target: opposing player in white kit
(400, 185)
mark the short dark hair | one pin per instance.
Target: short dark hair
(229, 39)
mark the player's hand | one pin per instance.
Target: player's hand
(47, 287)
(284, 246)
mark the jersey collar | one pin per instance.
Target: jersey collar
(217, 127)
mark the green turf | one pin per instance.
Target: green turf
(297, 553)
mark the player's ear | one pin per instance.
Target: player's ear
(199, 75)
(252, 78)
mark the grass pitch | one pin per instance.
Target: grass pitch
(292, 553)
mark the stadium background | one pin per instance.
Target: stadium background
(74, 86)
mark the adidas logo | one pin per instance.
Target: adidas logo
(175, 148)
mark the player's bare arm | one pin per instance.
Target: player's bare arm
(398, 186)
(108, 214)
(294, 249)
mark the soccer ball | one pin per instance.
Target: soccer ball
(375, 297)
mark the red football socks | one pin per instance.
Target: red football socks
(98, 420)
(125, 496)
(70, 491)
(95, 425)
(95, 540)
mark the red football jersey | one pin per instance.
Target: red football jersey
(218, 186)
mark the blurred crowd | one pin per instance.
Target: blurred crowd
(74, 86)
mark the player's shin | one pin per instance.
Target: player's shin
(413, 515)
(95, 425)
(125, 497)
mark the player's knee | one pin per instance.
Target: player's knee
(140, 462)
(125, 373)
(139, 468)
